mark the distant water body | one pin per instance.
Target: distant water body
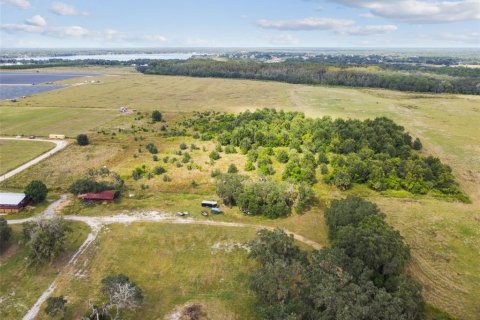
(18, 84)
(117, 57)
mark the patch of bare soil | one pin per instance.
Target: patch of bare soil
(193, 311)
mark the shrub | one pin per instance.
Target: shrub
(214, 155)
(249, 166)
(166, 178)
(266, 169)
(183, 146)
(159, 170)
(282, 156)
(55, 306)
(36, 191)
(305, 198)
(230, 149)
(417, 145)
(155, 157)
(215, 173)
(232, 168)
(323, 169)
(156, 116)
(151, 148)
(82, 140)
(342, 180)
(186, 157)
(139, 172)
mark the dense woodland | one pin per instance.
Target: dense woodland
(377, 153)
(359, 277)
(397, 77)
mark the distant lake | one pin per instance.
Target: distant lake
(118, 57)
(19, 84)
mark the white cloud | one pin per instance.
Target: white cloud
(68, 31)
(36, 20)
(282, 39)
(23, 4)
(35, 25)
(367, 15)
(63, 9)
(336, 25)
(305, 24)
(369, 30)
(420, 11)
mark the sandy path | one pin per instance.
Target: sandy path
(60, 144)
(96, 224)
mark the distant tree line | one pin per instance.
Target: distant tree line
(308, 72)
(377, 153)
(361, 276)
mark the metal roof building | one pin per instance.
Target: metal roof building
(11, 202)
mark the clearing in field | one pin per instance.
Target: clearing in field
(173, 265)
(14, 153)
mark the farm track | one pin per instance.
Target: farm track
(60, 144)
(96, 224)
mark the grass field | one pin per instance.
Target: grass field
(22, 284)
(14, 153)
(173, 265)
(444, 235)
(46, 120)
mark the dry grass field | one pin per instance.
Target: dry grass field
(173, 265)
(15, 153)
(444, 235)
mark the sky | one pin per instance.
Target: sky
(245, 23)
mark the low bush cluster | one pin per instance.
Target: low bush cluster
(263, 197)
